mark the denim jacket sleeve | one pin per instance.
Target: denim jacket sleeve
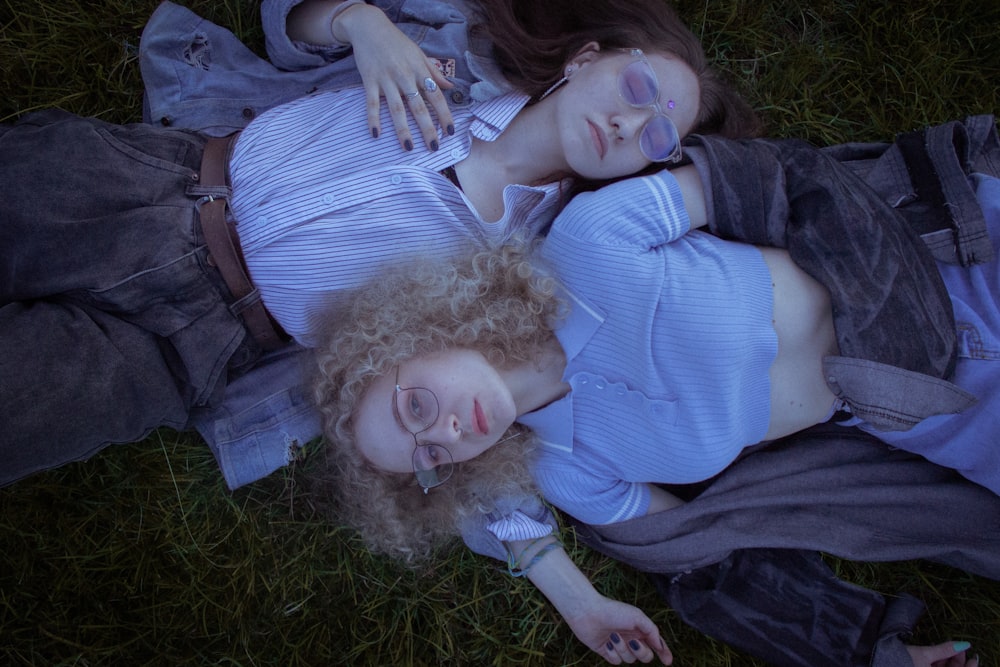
(199, 76)
(440, 27)
(265, 418)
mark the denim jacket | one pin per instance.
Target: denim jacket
(200, 76)
(862, 244)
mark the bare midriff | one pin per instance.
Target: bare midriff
(803, 322)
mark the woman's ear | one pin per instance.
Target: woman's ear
(589, 53)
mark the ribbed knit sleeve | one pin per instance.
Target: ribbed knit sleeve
(638, 212)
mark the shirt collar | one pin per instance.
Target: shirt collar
(553, 423)
(578, 325)
(493, 116)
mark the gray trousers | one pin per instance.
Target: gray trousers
(111, 321)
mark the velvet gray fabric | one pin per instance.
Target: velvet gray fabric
(830, 489)
(741, 563)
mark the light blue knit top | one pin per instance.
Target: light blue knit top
(668, 340)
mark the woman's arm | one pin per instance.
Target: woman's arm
(616, 631)
(390, 64)
(693, 193)
(660, 500)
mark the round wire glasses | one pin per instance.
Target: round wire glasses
(416, 409)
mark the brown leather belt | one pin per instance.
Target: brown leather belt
(225, 252)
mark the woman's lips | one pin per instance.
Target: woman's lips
(479, 419)
(598, 138)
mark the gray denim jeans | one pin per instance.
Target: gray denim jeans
(111, 321)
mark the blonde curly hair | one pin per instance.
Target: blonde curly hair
(497, 302)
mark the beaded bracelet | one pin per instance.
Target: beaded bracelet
(514, 565)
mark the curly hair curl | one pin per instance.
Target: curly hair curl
(496, 302)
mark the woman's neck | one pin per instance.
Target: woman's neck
(528, 150)
(525, 153)
(537, 382)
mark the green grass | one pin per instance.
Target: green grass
(141, 556)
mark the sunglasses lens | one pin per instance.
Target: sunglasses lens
(659, 140)
(637, 84)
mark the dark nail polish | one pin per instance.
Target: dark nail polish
(615, 638)
(610, 647)
(451, 130)
(408, 145)
(634, 645)
(434, 144)
(374, 133)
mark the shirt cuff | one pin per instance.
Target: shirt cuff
(518, 526)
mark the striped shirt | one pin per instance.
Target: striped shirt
(321, 207)
(668, 341)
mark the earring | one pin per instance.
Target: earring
(570, 69)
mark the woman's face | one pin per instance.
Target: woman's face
(600, 130)
(475, 409)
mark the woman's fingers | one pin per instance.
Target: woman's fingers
(424, 100)
(621, 650)
(436, 98)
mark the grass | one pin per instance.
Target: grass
(141, 556)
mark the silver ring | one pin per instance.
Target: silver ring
(429, 85)
(410, 96)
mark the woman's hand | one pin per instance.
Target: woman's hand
(395, 68)
(948, 654)
(618, 632)
(390, 64)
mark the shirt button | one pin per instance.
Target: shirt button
(456, 153)
(396, 179)
(248, 113)
(600, 384)
(620, 391)
(328, 199)
(457, 96)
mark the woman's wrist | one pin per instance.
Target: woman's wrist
(318, 22)
(344, 17)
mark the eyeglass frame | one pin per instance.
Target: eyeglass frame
(437, 411)
(676, 154)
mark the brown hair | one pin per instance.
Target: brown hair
(533, 41)
(494, 301)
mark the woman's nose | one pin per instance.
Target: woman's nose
(628, 123)
(447, 430)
